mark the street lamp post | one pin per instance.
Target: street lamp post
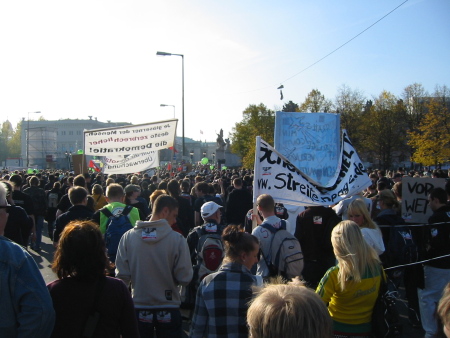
(173, 147)
(192, 155)
(182, 92)
(28, 137)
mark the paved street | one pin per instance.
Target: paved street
(46, 256)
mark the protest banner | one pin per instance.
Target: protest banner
(310, 142)
(130, 139)
(415, 192)
(130, 163)
(277, 176)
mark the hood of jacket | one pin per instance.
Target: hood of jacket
(152, 231)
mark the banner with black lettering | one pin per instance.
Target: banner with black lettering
(130, 139)
(128, 164)
(276, 176)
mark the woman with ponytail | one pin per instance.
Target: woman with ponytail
(222, 297)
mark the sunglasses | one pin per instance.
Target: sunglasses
(6, 207)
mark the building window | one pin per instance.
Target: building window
(63, 133)
(78, 132)
(71, 132)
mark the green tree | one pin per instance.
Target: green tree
(290, 107)
(14, 144)
(431, 140)
(257, 121)
(350, 105)
(315, 102)
(6, 134)
(385, 128)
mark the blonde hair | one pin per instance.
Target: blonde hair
(288, 311)
(354, 255)
(358, 206)
(443, 309)
(389, 199)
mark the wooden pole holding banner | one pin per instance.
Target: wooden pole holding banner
(256, 174)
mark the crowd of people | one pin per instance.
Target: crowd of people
(132, 250)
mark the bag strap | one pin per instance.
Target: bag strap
(92, 321)
(105, 211)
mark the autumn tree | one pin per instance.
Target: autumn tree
(431, 141)
(315, 102)
(257, 121)
(6, 134)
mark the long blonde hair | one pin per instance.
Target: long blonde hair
(354, 255)
(358, 206)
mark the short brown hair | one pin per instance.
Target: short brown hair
(265, 202)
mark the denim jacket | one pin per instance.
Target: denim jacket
(26, 306)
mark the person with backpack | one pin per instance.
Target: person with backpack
(39, 210)
(281, 251)
(223, 296)
(115, 218)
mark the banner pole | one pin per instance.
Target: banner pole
(255, 175)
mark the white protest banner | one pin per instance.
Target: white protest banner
(130, 164)
(309, 141)
(130, 139)
(415, 192)
(275, 175)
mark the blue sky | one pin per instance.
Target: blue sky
(75, 59)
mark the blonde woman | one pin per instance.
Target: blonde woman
(358, 213)
(351, 287)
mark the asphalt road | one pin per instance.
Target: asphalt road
(45, 257)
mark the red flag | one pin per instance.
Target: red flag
(171, 148)
(94, 166)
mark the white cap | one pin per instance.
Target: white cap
(208, 209)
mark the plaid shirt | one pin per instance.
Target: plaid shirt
(222, 303)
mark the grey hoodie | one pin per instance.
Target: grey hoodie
(156, 260)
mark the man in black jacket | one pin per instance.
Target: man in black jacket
(436, 271)
(239, 202)
(78, 196)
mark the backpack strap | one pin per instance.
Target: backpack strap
(127, 210)
(105, 211)
(273, 231)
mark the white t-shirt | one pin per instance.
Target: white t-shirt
(374, 239)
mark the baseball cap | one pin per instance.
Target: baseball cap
(208, 209)
(132, 188)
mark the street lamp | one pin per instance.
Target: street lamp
(28, 137)
(192, 155)
(182, 91)
(214, 158)
(173, 147)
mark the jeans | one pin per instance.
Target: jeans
(435, 281)
(168, 323)
(39, 226)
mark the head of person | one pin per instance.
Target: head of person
(132, 191)
(397, 190)
(16, 181)
(437, 198)
(237, 183)
(154, 196)
(288, 311)
(81, 252)
(134, 180)
(115, 193)
(201, 189)
(358, 213)
(381, 185)
(4, 208)
(353, 253)
(266, 205)
(78, 196)
(165, 207)
(211, 211)
(387, 200)
(109, 181)
(97, 189)
(185, 185)
(57, 185)
(240, 246)
(34, 181)
(443, 310)
(173, 188)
